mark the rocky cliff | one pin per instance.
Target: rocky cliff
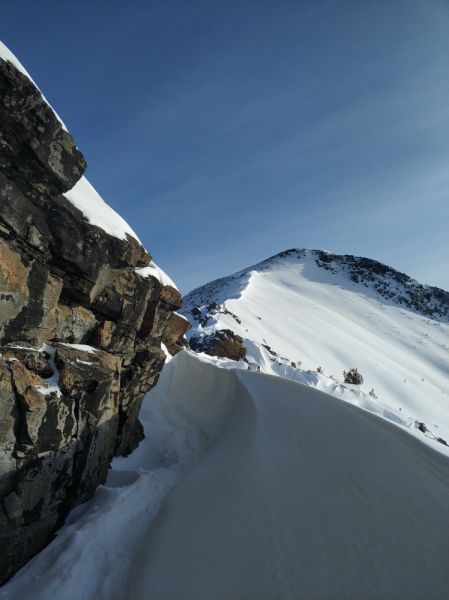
(81, 327)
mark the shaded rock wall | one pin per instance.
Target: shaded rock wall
(80, 330)
(174, 336)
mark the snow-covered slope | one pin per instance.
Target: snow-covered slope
(299, 496)
(305, 309)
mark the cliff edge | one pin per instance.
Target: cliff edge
(83, 311)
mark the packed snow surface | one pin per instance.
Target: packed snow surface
(254, 486)
(8, 56)
(84, 196)
(308, 309)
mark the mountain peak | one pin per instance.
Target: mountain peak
(311, 315)
(366, 275)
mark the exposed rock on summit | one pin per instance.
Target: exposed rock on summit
(224, 343)
(387, 283)
(80, 330)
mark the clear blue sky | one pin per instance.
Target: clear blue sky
(227, 131)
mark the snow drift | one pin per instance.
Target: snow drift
(288, 493)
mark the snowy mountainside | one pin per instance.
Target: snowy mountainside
(308, 315)
(387, 282)
(392, 285)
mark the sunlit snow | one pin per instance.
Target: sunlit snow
(154, 271)
(254, 486)
(313, 318)
(83, 195)
(97, 212)
(269, 479)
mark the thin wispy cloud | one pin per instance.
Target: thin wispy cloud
(240, 129)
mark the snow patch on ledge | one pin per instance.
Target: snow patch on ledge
(53, 381)
(183, 317)
(84, 196)
(154, 271)
(8, 56)
(81, 347)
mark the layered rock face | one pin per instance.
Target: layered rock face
(80, 330)
(174, 336)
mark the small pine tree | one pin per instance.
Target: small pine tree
(353, 376)
(373, 395)
(319, 370)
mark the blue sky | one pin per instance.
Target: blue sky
(227, 131)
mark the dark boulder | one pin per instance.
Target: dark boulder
(37, 154)
(224, 343)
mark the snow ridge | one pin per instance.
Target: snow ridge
(308, 315)
(387, 282)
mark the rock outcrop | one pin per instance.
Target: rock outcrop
(80, 330)
(224, 343)
(174, 336)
